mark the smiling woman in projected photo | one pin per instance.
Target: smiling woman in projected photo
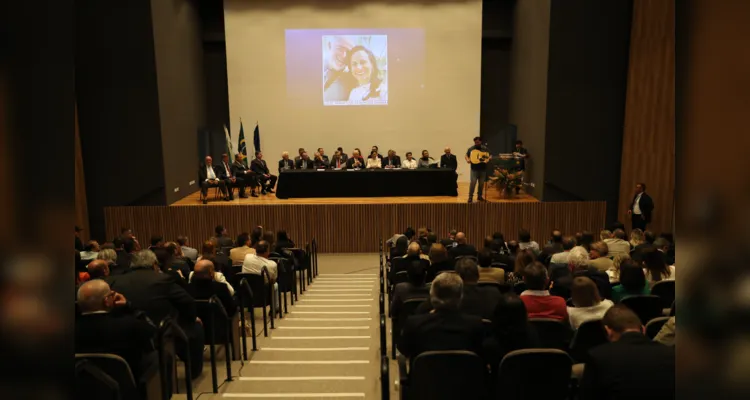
(352, 73)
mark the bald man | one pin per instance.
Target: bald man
(108, 325)
(98, 269)
(448, 160)
(462, 248)
(413, 255)
(210, 176)
(203, 285)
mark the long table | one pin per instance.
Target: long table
(366, 183)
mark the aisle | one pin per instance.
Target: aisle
(327, 346)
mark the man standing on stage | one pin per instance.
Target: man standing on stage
(523, 153)
(640, 208)
(448, 160)
(478, 170)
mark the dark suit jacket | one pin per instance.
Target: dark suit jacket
(154, 293)
(350, 163)
(462, 250)
(435, 268)
(203, 175)
(203, 289)
(259, 167)
(402, 264)
(120, 332)
(238, 169)
(321, 164)
(406, 291)
(448, 161)
(634, 367)
(396, 162)
(332, 163)
(344, 157)
(600, 278)
(223, 171)
(310, 164)
(477, 301)
(123, 260)
(646, 204)
(288, 163)
(444, 330)
(223, 241)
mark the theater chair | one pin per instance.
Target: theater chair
(463, 374)
(589, 335)
(654, 326)
(397, 323)
(553, 334)
(520, 370)
(218, 328)
(647, 307)
(108, 376)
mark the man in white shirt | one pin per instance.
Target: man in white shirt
(209, 177)
(409, 162)
(562, 258)
(254, 263)
(187, 251)
(525, 242)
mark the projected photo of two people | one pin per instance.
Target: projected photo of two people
(355, 70)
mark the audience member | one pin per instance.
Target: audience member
(107, 324)
(400, 247)
(157, 242)
(536, 297)
(159, 296)
(631, 366)
(446, 328)
(510, 330)
(618, 243)
(178, 261)
(256, 235)
(237, 254)
(636, 238)
(450, 241)
(269, 237)
(586, 239)
(431, 239)
(598, 257)
(222, 238)
(98, 269)
(79, 242)
(283, 242)
(632, 282)
(413, 288)
(568, 243)
(110, 257)
(525, 242)
(254, 263)
(587, 305)
(552, 247)
(662, 245)
(476, 300)
(614, 273)
(203, 285)
(221, 262)
(655, 268)
(666, 335)
(487, 273)
(579, 265)
(125, 247)
(462, 248)
(604, 235)
(439, 261)
(500, 245)
(90, 251)
(522, 260)
(189, 252)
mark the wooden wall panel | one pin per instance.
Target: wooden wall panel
(648, 147)
(82, 214)
(355, 228)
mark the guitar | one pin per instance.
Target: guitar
(479, 156)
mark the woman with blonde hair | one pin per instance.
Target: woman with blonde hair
(636, 237)
(588, 305)
(614, 272)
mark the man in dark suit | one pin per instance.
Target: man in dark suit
(244, 176)
(461, 248)
(523, 154)
(208, 176)
(475, 300)
(259, 166)
(448, 160)
(640, 208)
(446, 328)
(159, 296)
(392, 161)
(319, 162)
(124, 246)
(230, 180)
(554, 246)
(108, 324)
(301, 151)
(355, 161)
(323, 155)
(222, 238)
(631, 366)
(202, 286)
(344, 156)
(412, 256)
(414, 288)
(285, 163)
(304, 162)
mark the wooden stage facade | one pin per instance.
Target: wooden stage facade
(354, 225)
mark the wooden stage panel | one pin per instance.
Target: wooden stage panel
(354, 228)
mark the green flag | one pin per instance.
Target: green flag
(243, 147)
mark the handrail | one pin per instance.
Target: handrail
(244, 284)
(169, 323)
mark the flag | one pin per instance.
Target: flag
(230, 148)
(242, 147)
(256, 137)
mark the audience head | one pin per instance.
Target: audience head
(98, 269)
(605, 234)
(413, 250)
(617, 225)
(409, 232)
(182, 240)
(446, 291)
(632, 277)
(256, 235)
(460, 238)
(243, 239)
(513, 247)
(144, 259)
(107, 245)
(108, 255)
(578, 258)
(587, 238)
(438, 253)
(618, 320)
(598, 249)
(523, 259)
(209, 249)
(535, 276)
(174, 249)
(556, 236)
(649, 237)
(485, 258)
(661, 244)
(467, 269)
(263, 248)
(431, 238)
(619, 259)
(636, 237)
(568, 243)
(509, 316)
(282, 236)
(268, 236)
(524, 236)
(118, 243)
(127, 232)
(620, 234)
(157, 241)
(584, 292)
(402, 244)
(422, 232)
(92, 245)
(653, 261)
(489, 243)
(163, 257)
(452, 234)
(220, 230)
(204, 269)
(95, 295)
(416, 273)
(128, 244)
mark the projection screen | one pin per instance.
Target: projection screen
(399, 75)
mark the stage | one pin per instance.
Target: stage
(357, 225)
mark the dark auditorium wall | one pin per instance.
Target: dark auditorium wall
(586, 86)
(178, 47)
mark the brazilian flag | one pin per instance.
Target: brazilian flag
(243, 147)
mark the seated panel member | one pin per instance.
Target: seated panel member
(392, 161)
(377, 151)
(285, 163)
(259, 166)
(424, 162)
(448, 160)
(243, 173)
(338, 161)
(210, 177)
(305, 162)
(373, 162)
(355, 161)
(319, 162)
(323, 155)
(344, 156)
(410, 162)
(300, 150)
(225, 168)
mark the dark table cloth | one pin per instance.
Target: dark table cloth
(367, 183)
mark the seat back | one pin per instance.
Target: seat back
(400, 277)
(665, 290)
(214, 317)
(503, 266)
(520, 370)
(553, 334)
(499, 287)
(286, 273)
(654, 326)
(116, 368)
(463, 372)
(519, 288)
(261, 293)
(558, 270)
(589, 335)
(647, 307)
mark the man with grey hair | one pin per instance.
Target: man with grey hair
(599, 257)
(98, 269)
(445, 327)
(578, 263)
(159, 296)
(618, 243)
(108, 325)
(110, 257)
